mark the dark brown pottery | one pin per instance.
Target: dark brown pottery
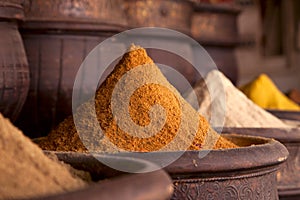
(288, 115)
(288, 176)
(215, 27)
(248, 172)
(58, 35)
(215, 24)
(12, 9)
(243, 173)
(74, 14)
(173, 14)
(117, 185)
(294, 95)
(14, 71)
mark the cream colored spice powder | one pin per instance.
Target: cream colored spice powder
(239, 110)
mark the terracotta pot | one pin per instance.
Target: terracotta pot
(248, 172)
(215, 27)
(171, 14)
(12, 9)
(117, 185)
(74, 14)
(288, 115)
(14, 79)
(288, 176)
(225, 60)
(58, 35)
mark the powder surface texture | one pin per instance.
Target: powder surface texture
(265, 93)
(138, 110)
(25, 171)
(239, 111)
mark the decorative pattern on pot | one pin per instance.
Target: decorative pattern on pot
(258, 186)
(288, 176)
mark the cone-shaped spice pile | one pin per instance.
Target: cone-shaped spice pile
(138, 110)
(263, 91)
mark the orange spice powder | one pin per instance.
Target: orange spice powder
(183, 127)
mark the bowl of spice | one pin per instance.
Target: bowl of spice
(291, 118)
(288, 176)
(243, 116)
(246, 172)
(108, 183)
(209, 166)
(273, 100)
(29, 173)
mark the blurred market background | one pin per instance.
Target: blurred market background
(255, 45)
(47, 44)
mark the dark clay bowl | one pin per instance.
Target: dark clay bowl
(288, 115)
(288, 176)
(248, 172)
(113, 184)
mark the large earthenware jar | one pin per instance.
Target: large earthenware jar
(115, 184)
(215, 28)
(288, 177)
(173, 14)
(58, 35)
(247, 172)
(14, 71)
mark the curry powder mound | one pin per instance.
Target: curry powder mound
(130, 104)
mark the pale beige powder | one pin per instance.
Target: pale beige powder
(239, 110)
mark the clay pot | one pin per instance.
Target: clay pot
(58, 35)
(248, 172)
(171, 14)
(14, 78)
(288, 115)
(117, 185)
(74, 14)
(243, 173)
(215, 28)
(288, 176)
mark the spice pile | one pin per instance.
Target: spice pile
(264, 93)
(144, 102)
(25, 171)
(239, 110)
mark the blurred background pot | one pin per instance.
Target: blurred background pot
(173, 14)
(58, 35)
(14, 71)
(215, 28)
(287, 115)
